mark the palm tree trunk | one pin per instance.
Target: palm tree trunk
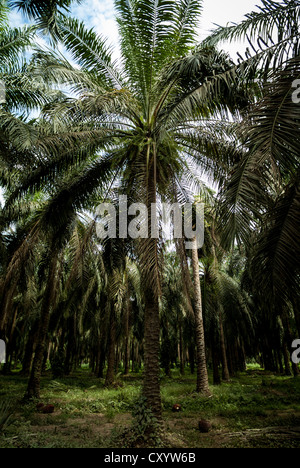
(151, 273)
(202, 375)
(27, 359)
(181, 356)
(297, 314)
(192, 358)
(132, 355)
(5, 309)
(288, 341)
(101, 361)
(225, 370)
(215, 360)
(71, 345)
(151, 385)
(287, 362)
(33, 389)
(127, 342)
(111, 359)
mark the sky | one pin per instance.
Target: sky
(100, 14)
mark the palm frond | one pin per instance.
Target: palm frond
(204, 84)
(55, 69)
(271, 135)
(144, 27)
(90, 51)
(189, 12)
(17, 131)
(272, 128)
(69, 194)
(38, 8)
(272, 33)
(25, 91)
(13, 42)
(45, 13)
(3, 14)
(280, 17)
(152, 34)
(243, 200)
(275, 265)
(212, 146)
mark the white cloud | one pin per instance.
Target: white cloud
(100, 15)
(16, 19)
(221, 12)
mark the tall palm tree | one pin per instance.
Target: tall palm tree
(202, 375)
(262, 194)
(21, 94)
(260, 201)
(148, 122)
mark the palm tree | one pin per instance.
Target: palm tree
(261, 198)
(260, 201)
(22, 95)
(13, 43)
(202, 375)
(176, 311)
(44, 13)
(147, 123)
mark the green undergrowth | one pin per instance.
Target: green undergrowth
(89, 415)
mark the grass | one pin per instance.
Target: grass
(256, 409)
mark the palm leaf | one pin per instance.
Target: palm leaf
(272, 129)
(13, 42)
(3, 14)
(272, 33)
(275, 265)
(90, 51)
(18, 131)
(25, 91)
(144, 30)
(272, 16)
(46, 13)
(271, 135)
(185, 36)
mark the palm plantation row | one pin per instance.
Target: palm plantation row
(149, 127)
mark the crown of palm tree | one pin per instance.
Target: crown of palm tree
(156, 104)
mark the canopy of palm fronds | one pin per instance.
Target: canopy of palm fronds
(149, 125)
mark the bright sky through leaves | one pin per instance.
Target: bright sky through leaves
(100, 14)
